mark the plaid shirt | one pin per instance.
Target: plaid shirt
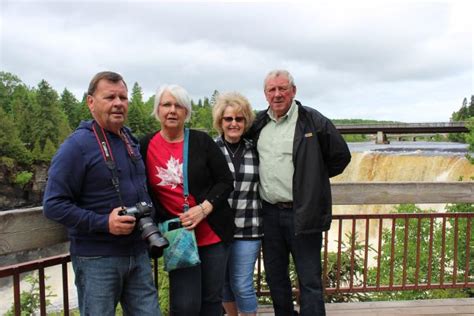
(244, 200)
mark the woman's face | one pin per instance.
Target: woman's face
(171, 114)
(233, 124)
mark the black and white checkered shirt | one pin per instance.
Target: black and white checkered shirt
(244, 200)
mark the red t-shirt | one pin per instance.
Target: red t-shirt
(165, 172)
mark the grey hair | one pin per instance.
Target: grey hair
(278, 73)
(179, 93)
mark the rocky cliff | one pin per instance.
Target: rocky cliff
(14, 196)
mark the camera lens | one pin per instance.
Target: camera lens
(150, 233)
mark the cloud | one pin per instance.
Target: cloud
(364, 59)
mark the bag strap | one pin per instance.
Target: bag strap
(106, 151)
(185, 169)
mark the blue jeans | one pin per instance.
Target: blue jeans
(198, 290)
(102, 282)
(238, 285)
(278, 242)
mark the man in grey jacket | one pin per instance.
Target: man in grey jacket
(299, 150)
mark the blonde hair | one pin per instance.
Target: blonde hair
(238, 103)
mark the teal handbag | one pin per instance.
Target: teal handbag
(182, 251)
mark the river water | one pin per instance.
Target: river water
(397, 161)
(412, 148)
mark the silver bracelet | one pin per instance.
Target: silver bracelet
(202, 210)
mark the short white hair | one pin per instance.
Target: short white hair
(278, 73)
(179, 93)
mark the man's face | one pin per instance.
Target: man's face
(279, 94)
(109, 104)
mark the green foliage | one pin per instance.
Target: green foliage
(465, 113)
(136, 111)
(470, 139)
(37, 152)
(49, 121)
(7, 162)
(202, 117)
(345, 271)
(10, 143)
(48, 151)
(84, 112)
(71, 107)
(461, 239)
(407, 230)
(30, 299)
(23, 177)
(8, 84)
(163, 288)
(355, 138)
(439, 138)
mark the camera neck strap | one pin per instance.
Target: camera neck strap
(185, 169)
(107, 154)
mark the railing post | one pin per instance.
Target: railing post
(16, 292)
(42, 290)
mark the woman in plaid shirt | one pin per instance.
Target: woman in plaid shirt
(233, 115)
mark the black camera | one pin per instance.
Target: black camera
(142, 212)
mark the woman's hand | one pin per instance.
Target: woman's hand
(195, 215)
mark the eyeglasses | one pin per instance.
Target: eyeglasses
(229, 119)
(169, 104)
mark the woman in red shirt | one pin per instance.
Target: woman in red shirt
(196, 290)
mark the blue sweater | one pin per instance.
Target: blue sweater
(80, 195)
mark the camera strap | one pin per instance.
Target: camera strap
(106, 151)
(185, 169)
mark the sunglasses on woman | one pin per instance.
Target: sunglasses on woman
(238, 119)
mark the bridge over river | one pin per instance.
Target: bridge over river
(382, 129)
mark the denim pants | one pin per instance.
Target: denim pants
(102, 282)
(198, 290)
(239, 285)
(278, 242)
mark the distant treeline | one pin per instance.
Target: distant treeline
(36, 120)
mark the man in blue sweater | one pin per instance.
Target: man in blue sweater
(110, 259)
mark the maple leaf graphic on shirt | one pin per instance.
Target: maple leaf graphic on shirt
(171, 175)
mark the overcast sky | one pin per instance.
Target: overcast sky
(409, 61)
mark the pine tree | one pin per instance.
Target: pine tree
(84, 112)
(11, 145)
(214, 96)
(37, 152)
(49, 121)
(8, 83)
(23, 102)
(464, 114)
(136, 111)
(71, 107)
(48, 151)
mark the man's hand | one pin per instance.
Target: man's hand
(120, 225)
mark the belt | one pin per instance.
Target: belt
(284, 205)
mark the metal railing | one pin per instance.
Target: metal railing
(380, 243)
(441, 243)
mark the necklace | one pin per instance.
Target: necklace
(232, 153)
